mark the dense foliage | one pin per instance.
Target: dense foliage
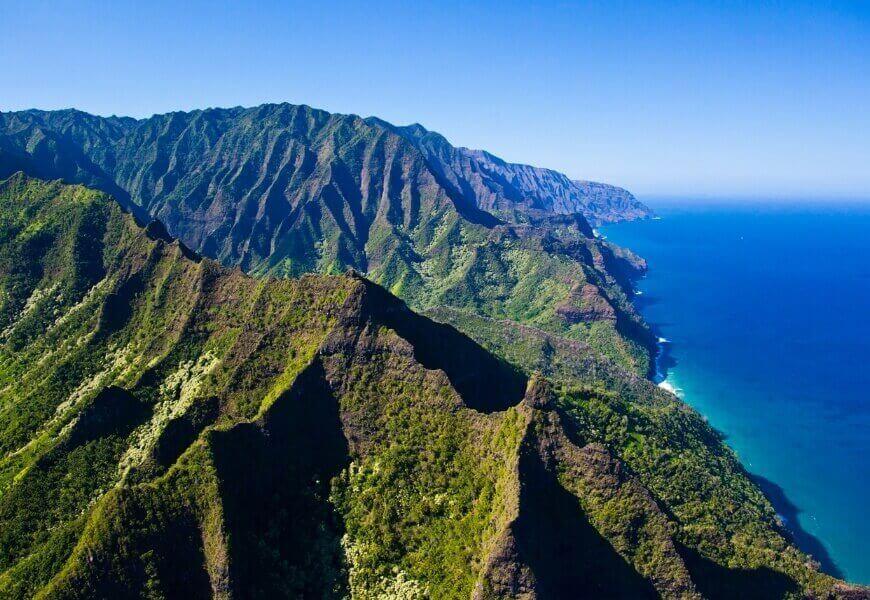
(172, 428)
(286, 190)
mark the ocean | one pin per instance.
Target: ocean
(763, 310)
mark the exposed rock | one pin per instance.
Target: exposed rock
(496, 185)
(584, 305)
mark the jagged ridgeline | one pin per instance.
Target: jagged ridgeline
(287, 190)
(173, 428)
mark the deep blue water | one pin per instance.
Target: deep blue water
(767, 313)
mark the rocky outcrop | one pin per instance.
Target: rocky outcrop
(585, 305)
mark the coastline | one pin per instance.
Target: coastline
(806, 470)
(663, 375)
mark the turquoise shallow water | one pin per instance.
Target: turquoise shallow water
(767, 316)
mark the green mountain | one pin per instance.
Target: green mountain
(170, 427)
(286, 190)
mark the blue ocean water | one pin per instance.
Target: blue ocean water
(766, 310)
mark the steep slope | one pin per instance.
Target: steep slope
(514, 190)
(286, 190)
(172, 428)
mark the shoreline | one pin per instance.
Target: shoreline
(786, 511)
(662, 374)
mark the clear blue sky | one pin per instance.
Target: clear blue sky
(717, 98)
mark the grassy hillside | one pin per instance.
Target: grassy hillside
(173, 428)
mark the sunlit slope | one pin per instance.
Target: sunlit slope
(286, 190)
(171, 428)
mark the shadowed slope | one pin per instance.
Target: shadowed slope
(569, 558)
(274, 475)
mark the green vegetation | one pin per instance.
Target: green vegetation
(284, 190)
(682, 462)
(172, 428)
(113, 336)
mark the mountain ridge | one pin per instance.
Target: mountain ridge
(590, 197)
(160, 368)
(172, 427)
(503, 187)
(285, 190)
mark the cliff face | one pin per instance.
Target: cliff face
(514, 190)
(286, 190)
(173, 428)
(235, 182)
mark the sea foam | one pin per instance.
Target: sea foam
(667, 385)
